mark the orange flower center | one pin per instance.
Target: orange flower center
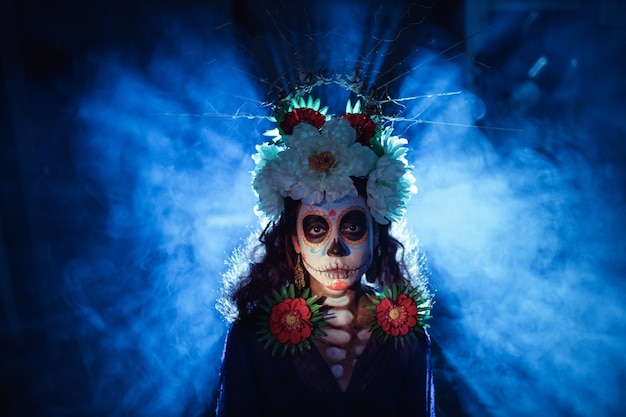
(394, 313)
(291, 319)
(322, 162)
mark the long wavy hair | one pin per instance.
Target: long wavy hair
(259, 267)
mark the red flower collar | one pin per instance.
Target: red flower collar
(289, 320)
(399, 313)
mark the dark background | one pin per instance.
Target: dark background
(51, 54)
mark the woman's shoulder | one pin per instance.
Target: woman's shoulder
(242, 329)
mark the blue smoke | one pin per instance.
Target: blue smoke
(525, 237)
(164, 152)
(522, 221)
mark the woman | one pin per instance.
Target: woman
(310, 337)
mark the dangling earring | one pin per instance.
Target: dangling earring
(298, 274)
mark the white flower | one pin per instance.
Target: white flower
(390, 185)
(270, 200)
(312, 165)
(318, 165)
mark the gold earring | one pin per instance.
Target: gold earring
(298, 273)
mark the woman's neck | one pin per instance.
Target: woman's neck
(347, 330)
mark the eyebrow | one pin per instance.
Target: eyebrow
(350, 215)
(313, 218)
(319, 212)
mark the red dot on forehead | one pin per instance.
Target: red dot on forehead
(332, 212)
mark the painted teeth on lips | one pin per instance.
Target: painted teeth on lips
(337, 273)
(338, 285)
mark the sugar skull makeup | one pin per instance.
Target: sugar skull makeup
(335, 241)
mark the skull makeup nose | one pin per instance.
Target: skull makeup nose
(336, 249)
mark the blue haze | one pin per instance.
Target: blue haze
(522, 220)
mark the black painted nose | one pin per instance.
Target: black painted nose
(336, 249)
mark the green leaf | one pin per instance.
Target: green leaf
(265, 337)
(292, 291)
(272, 133)
(374, 300)
(311, 302)
(377, 147)
(386, 292)
(320, 333)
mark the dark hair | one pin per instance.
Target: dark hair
(274, 270)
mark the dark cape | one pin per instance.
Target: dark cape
(386, 381)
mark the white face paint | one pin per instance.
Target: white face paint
(335, 241)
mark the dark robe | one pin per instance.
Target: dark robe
(387, 381)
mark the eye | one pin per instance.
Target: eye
(354, 225)
(315, 228)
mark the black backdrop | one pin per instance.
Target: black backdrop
(48, 214)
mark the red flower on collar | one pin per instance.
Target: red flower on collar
(399, 313)
(290, 321)
(397, 318)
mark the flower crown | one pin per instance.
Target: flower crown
(314, 156)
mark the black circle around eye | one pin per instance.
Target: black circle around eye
(354, 225)
(315, 228)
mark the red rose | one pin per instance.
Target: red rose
(364, 126)
(300, 115)
(399, 318)
(290, 321)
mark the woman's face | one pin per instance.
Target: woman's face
(335, 241)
